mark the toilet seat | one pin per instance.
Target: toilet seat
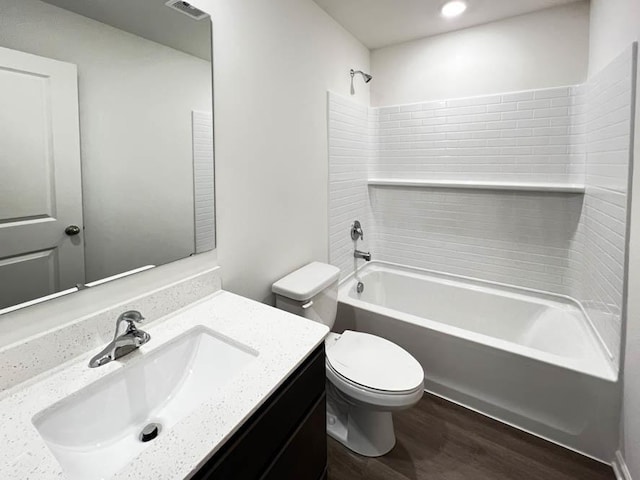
(370, 398)
(373, 368)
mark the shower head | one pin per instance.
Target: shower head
(367, 78)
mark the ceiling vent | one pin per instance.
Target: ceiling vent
(187, 9)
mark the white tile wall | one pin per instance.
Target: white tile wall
(564, 243)
(203, 181)
(609, 111)
(608, 152)
(517, 238)
(349, 152)
(600, 284)
(524, 136)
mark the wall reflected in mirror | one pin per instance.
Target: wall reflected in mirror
(106, 141)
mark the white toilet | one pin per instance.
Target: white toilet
(368, 377)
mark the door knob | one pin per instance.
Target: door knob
(72, 230)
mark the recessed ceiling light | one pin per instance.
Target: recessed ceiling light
(453, 9)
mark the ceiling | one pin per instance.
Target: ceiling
(379, 23)
(150, 19)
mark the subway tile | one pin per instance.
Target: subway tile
(469, 110)
(519, 115)
(534, 104)
(400, 116)
(538, 122)
(517, 96)
(553, 92)
(477, 118)
(411, 108)
(503, 107)
(423, 114)
(559, 121)
(551, 131)
(562, 102)
(533, 141)
(519, 132)
(551, 112)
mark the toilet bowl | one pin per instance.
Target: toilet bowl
(368, 377)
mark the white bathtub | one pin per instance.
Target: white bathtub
(526, 358)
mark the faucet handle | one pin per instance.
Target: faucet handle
(131, 316)
(356, 231)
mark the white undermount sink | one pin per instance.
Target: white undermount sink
(96, 432)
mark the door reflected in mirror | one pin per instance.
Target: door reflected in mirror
(106, 141)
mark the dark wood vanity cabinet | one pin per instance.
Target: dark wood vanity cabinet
(285, 439)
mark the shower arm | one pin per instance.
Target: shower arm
(367, 78)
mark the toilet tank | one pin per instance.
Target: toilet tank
(310, 292)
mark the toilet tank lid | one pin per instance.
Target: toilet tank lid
(306, 282)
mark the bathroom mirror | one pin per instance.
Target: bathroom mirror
(106, 141)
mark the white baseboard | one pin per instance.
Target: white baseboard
(620, 467)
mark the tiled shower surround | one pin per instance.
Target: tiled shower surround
(566, 243)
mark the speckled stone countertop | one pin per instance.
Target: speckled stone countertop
(282, 340)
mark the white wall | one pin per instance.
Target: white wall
(274, 62)
(541, 49)
(136, 151)
(614, 25)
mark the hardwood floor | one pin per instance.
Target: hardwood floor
(438, 440)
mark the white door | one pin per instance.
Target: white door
(40, 183)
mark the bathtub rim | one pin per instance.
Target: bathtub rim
(607, 370)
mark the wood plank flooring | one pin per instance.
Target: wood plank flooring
(438, 440)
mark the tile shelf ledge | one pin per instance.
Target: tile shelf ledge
(480, 185)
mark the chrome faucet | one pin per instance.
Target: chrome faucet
(123, 343)
(357, 232)
(364, 255)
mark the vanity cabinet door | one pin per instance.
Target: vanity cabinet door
(291, 413)
(305, 455)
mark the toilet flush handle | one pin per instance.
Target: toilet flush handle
(308, 304)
